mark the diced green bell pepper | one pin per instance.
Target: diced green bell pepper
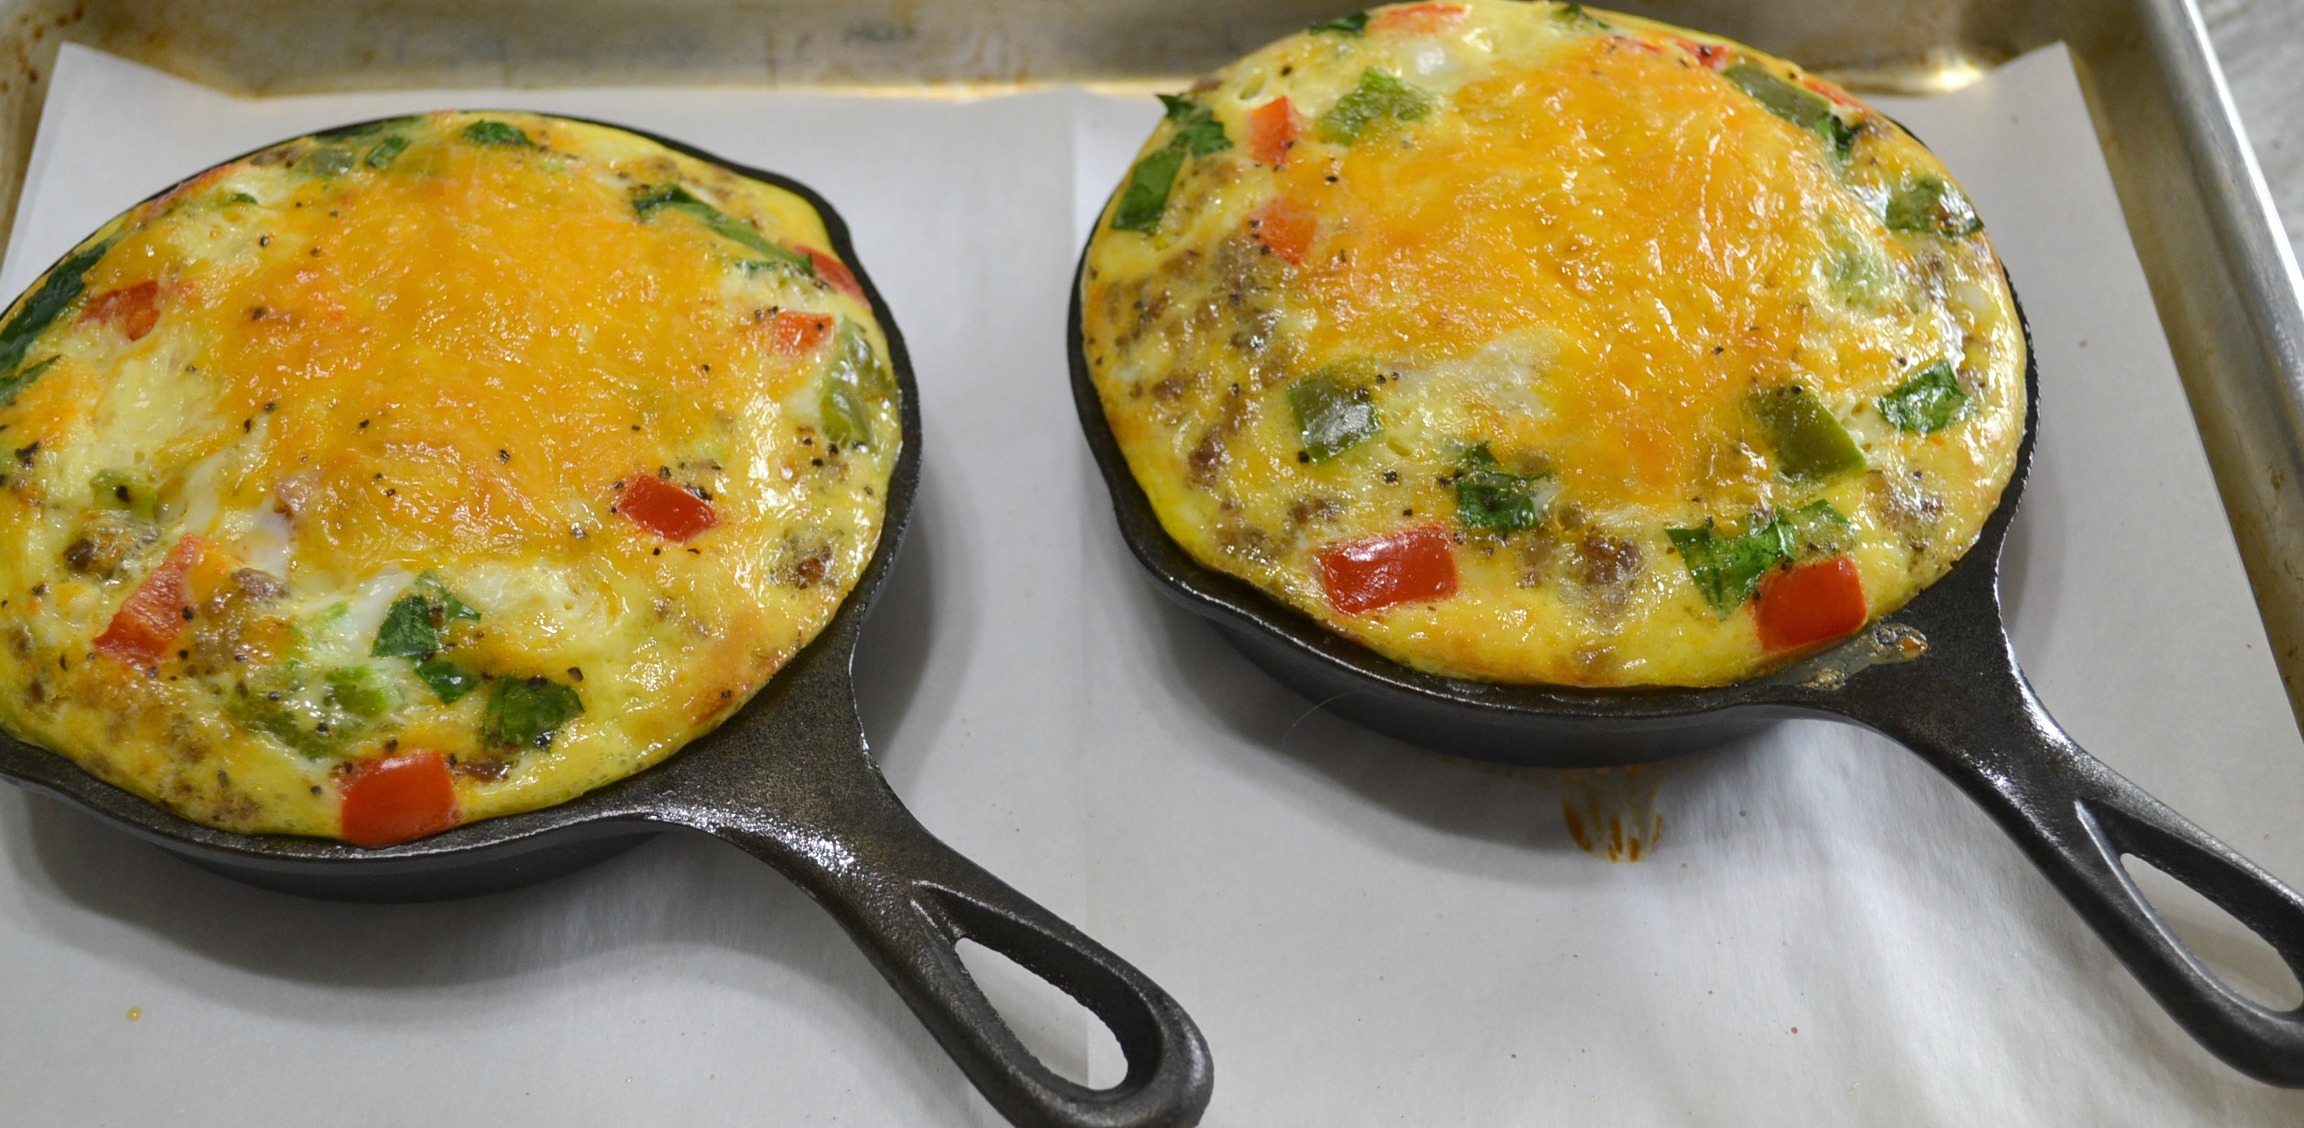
(853, 382)
(1810, 445)
(130, 490)
(1332, 415)
(1930, 205)
(361, 691)
(329, 160)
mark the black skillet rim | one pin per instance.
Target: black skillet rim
(41, 770)
(1235, 604)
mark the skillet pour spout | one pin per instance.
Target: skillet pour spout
(1939, 676)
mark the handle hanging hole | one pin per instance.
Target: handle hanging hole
(1067, 1038)
(2232, 951)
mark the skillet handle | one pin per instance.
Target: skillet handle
(2075, 817)
(793, 785)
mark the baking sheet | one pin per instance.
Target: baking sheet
(1819, 931)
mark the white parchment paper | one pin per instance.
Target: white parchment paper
(1819, 931)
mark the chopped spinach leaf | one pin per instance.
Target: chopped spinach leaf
(386, 151)
(1810, 444)
(497, 133)
(56, 292)
(448, 680)
(32, 371)
(1146, 196)
(1197, 130)
(1928, 402)
(1804, 108)
(412, 625)
(1333, 414)
(1929, 204)
(1202, 134)
(1378, 97)
(1354, 24)
(648, 201)
(1488, 498)
(525, 712)
(239, 198)
(1727, 570)
(408, 630)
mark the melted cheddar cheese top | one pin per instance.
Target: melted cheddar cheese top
(1532, 343)
(429, 470)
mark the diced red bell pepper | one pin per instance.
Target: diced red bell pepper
(1420, 19)
(1811, 603)
(133, 310)
(1711, 55)
(665, 509)
(794, 333)
(1286, 229)
(1410, 566)
(147, 623)
(834, 271)
(398, 798)
(1272, 130)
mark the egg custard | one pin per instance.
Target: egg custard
(1532, 343)
(429, 470)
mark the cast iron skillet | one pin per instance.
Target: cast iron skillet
(788, 779)
(1962, 704)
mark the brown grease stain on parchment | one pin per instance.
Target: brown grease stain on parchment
(1612, 811)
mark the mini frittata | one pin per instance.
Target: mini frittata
(428, 470)
(1531, 343)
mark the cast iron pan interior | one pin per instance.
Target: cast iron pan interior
(789, 779)
(1963, 705)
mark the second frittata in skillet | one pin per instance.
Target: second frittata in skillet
(1532, 343)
